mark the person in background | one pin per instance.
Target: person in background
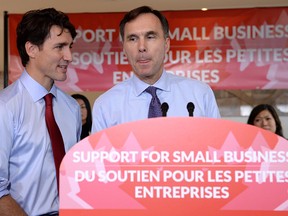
(266, 117)
(145, 35)
(28, 178)
(85, 114)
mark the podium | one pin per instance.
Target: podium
(176, 166)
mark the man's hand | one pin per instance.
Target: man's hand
(9, 207)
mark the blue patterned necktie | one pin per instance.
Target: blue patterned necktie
(155, 105)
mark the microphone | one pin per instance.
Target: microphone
(190, 108)
(164, 108)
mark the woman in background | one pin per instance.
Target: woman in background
(266, 117)
(85, 114)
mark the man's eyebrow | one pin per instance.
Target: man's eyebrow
(146, 34)
(131, 35)
(64, 44)
(151, 32)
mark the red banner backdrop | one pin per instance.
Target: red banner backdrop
(228, 49)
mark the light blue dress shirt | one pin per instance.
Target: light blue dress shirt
(27, 170)
(128, 101)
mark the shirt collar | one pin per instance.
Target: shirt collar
(139, 86)
(36, 90)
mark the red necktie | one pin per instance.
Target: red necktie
(55, 135)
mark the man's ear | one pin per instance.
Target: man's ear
(167, 44)
(31, 49)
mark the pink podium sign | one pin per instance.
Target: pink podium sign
(176, 166)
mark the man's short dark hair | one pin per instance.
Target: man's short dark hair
(133, 14)
(35, 27)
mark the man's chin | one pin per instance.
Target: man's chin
(61, 78)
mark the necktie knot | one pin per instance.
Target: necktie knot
(151, 90)
(48, 99)
(155, 105)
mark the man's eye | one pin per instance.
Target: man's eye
(132, 38)
(152, 36)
